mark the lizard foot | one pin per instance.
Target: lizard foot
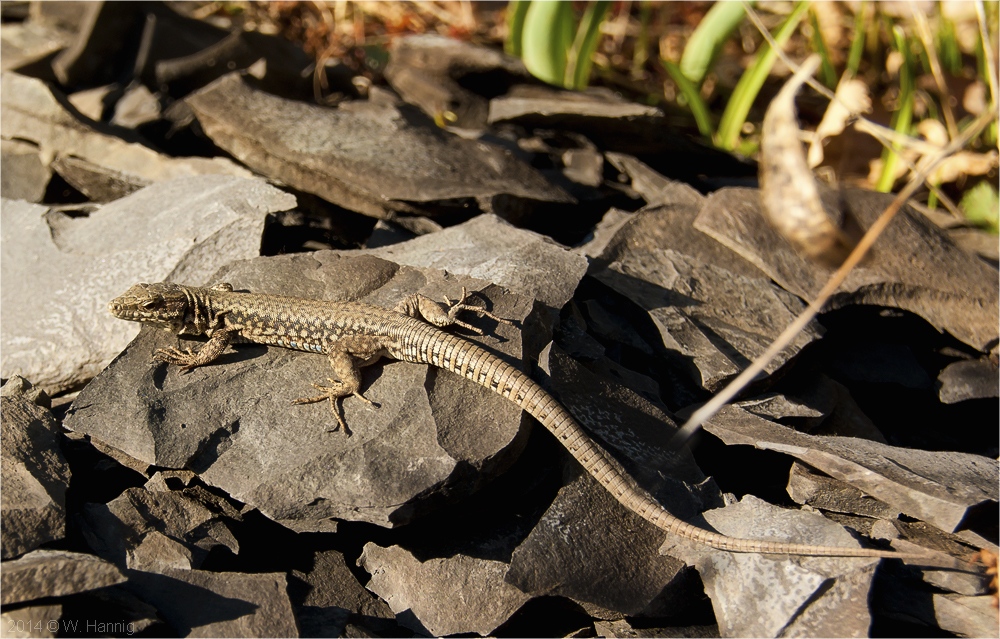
(186, 359)
(336, 393)
(454, 308)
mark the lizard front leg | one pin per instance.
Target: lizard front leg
(422, 307)
(186, 359)
(347, 356)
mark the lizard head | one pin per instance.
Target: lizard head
(160, 304)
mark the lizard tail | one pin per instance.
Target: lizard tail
(486, 369)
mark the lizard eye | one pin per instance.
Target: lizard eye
(149, 305)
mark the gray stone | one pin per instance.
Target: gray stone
(758, 595)
(715, 312)
(33, 112)
(54, 573)
(59, 272)
(819, 407)
(431, 71)
(656, 189)
(913, 266)
(604, 232)
(34, 472)
(27, 44)
(937, 487)
(98, 183)
(365, 157)
(968, 379)
(591, 549)
(335, 596)
(198, 603)
(587, 546)
(154, 528)
(491, 249)
(966, 616)
(23, 175)
(445, 595)
(137, 107)
(826, 493)
(436, 434)
(31, 621)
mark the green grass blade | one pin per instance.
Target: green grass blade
(547, 39)
(581, 57)
(827, 74)
(694, 102)
(516, 10)
(858, 44)
(981, 205)
(753, 79)
(708, 37)
(903, 117)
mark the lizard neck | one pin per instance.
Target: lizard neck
(205, 309)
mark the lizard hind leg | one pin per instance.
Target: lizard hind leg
(439, 315)
(348, 369)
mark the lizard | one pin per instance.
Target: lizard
(355, 334)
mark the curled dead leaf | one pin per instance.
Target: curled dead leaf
(788, 190)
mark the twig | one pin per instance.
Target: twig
(706, 412)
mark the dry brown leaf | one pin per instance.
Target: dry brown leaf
(852, 98)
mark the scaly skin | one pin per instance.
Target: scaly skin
(353, 334)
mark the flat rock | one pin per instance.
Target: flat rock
(232, 421)
(34, 471)
(442, 596)
(715, 312)
(818, 406)
(966, 616)
(967, 379)
(758, 595)
(488, 248)
(153, 528)
(54, 573)
(59, 271)
(596, 113)
(432, 72)
(23, 175)
(198, 603)
(33, 112)
(826, 493)
(26, 45)
(367, 157)
(587, 546)
(32, 621)
(937, 487)
(913, 266)
(656, 189)
(336, 597)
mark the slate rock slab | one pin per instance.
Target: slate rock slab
(968, 379)
(54, 573)
(937, 487)
(199, 603)
(488, 248)
(433, 71)
(336, 598)
(233, 422)
(23, 176)
(59, 272)
(588, 547)
(766, 596)
(914, 266)
(715, 312)
(34, 472)
(152, 527)
(367, 157)
(34, 112)
(442, 596)
(32, 621)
